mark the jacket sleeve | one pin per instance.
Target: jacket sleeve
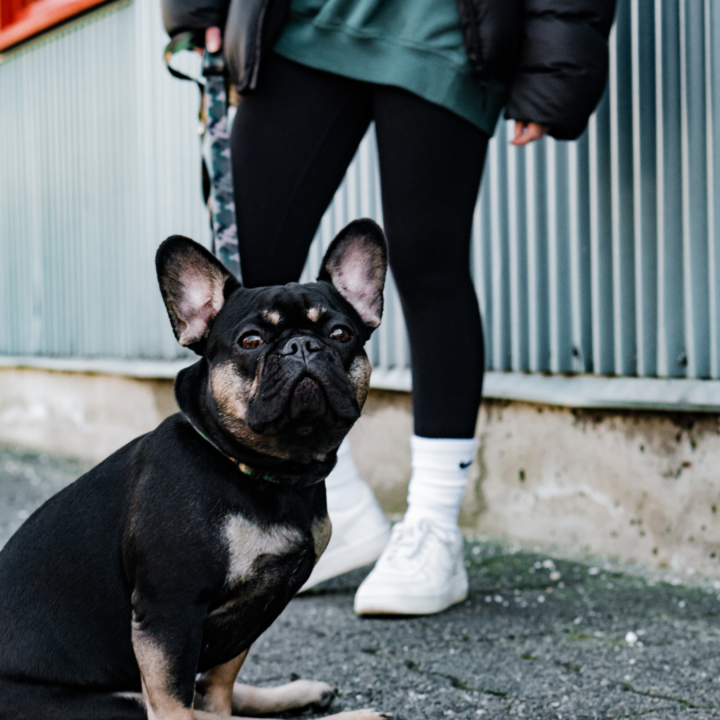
(563, 64)
(193, 15)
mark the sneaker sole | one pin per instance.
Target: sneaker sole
(405, 605)
(349, 557)
(367, 603)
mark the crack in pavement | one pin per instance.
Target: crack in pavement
(628, 687)
(455, 681)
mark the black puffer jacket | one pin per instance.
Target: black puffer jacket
(552, 53)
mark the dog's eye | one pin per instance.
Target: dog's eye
(340, 334)
(251, 341)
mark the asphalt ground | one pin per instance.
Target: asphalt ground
(539, 636)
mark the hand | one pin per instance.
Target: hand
(213, 39)
(527, 132)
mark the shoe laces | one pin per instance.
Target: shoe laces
(408, 541)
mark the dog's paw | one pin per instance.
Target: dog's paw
(311, 693)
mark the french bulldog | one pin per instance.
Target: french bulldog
(136, 592)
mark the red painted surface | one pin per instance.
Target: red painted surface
(21, 19)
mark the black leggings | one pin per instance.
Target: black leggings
(292, 141)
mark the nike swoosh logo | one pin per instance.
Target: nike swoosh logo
(465, 465)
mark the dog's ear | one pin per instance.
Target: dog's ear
(194, 286)
(356, 264)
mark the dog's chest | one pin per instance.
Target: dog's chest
(249, 544)
(265, 567)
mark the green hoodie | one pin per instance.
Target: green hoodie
(413, 44)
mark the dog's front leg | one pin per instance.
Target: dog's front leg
(217, 686)
(220, 694)
(167, 647)
(292, 696)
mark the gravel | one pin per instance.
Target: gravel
(539, 637)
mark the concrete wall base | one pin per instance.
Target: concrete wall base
(81, 415)
(639, 486)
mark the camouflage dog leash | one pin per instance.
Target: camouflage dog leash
(214, 122)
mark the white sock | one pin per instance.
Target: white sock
(440, 471)
(345, 489)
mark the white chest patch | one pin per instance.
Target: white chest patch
(247, 542)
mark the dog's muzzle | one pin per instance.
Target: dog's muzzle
(304, 389)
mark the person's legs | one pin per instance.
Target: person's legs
(431, 164)
(291, 143)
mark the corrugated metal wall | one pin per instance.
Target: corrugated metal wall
(600, 256)
(99, 162)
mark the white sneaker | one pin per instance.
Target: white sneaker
(358, 537)
(421, 571)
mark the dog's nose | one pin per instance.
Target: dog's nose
(302, 346)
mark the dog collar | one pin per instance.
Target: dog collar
(245, 469)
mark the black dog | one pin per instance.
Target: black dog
(173, 555)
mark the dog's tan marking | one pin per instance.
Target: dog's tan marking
(232, 394)
(359, 376)
(156, 679)
(203, 715)
(247, 542)
(271, 316)
(217, 686)
(364, 714)
(315, 313)
(321, 531)
(294, 695)
(220, 696)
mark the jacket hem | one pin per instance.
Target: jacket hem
(426, 73)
